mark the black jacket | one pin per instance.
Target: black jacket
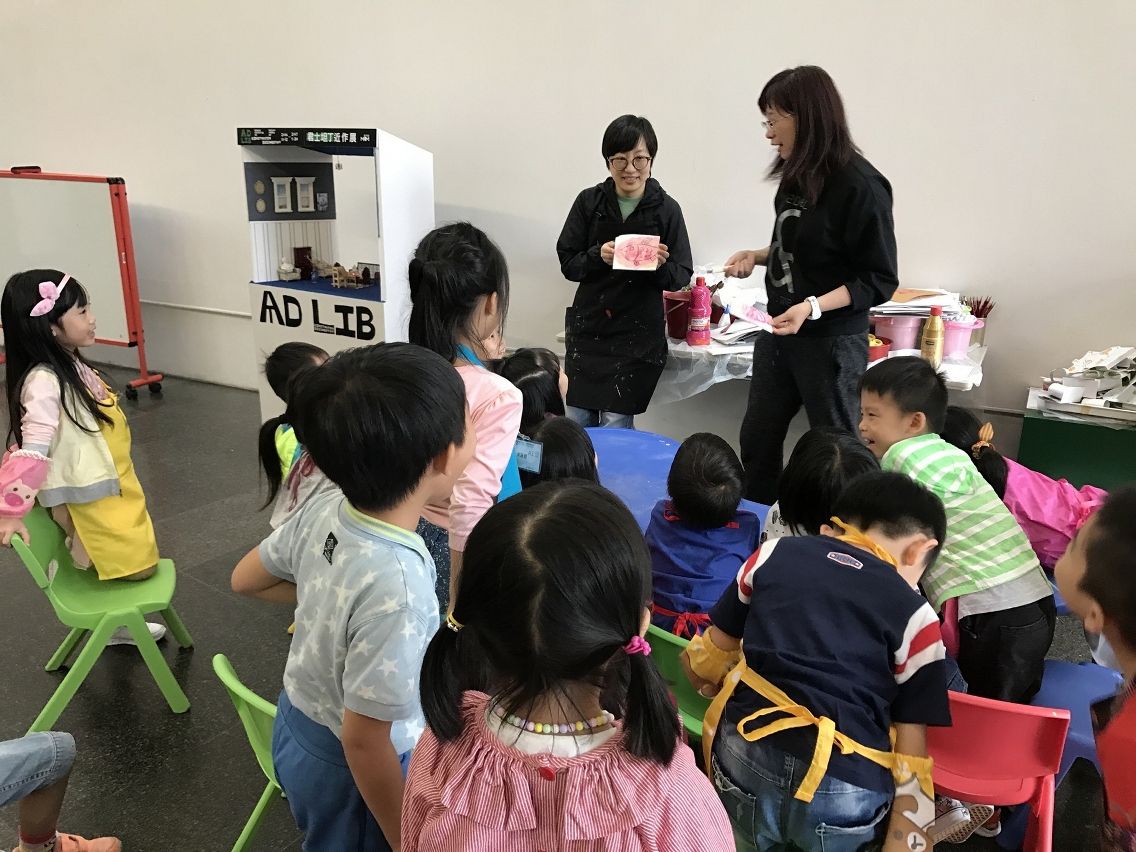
(615, 330)
(847, 237)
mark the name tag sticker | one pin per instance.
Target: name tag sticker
(529, 454)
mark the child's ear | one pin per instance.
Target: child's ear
(1096, 621)
(918, 423)
(916, 552)
(444, 462)
(831, 532)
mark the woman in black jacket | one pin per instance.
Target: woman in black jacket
(832, 257)
(615, 330)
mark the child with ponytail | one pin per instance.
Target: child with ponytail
(459, 290)
(548, 725)
(73, 451)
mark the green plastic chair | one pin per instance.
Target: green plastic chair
(257, 716)
(665, 648)
(97, 607)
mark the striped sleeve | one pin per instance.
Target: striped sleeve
(920, 671)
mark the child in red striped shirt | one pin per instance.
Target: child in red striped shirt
(549, 726)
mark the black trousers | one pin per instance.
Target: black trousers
(822, 373)
(1002, 654)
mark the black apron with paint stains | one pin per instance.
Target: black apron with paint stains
(615, 329)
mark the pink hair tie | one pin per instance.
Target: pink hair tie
(637, 645)
(49, 294)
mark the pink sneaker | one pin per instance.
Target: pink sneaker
(74, 843)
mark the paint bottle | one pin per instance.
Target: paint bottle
(698, 324)
(932, 344)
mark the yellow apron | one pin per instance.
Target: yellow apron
(797, 715)
(116, 531)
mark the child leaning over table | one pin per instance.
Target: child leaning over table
(836, 647)
(1097, 578)
(388, 425)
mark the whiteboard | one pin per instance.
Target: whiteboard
(66, 225)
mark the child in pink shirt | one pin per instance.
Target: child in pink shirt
(548, 725)
(459, 290)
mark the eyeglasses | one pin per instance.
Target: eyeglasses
(620, 163)
(768, 125)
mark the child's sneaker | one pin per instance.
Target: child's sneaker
(74, 843)
(122, 635)
(948, 828)
(991, 827)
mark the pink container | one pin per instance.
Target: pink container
(956, 337)
(902, 331)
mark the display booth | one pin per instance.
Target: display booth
(334, 217)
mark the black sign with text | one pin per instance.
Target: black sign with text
(350, 137)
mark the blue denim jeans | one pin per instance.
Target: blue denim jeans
(756, 784)
(34, 762)
(590, 417)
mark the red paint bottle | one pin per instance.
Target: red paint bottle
(698, 324)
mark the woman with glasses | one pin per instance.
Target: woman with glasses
(831, 258)
(615, 330)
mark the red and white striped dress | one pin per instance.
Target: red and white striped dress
(477, 793)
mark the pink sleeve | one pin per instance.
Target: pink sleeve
(21, 476)
(497, 423)
(42, 408)
(692, 817)
(1049, 511)
(419, 792)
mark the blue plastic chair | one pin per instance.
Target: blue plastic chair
(634, 465)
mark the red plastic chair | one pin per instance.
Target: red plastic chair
(1002, 754)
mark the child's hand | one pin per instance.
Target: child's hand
(9, 527)
(705, 688)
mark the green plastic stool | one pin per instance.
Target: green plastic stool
(665, 648)
(257, 716)
(97, 607)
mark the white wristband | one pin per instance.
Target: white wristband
(812, 300)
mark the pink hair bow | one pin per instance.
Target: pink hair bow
(49, 292)
(637, 645)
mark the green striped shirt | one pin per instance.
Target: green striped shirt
(985, 547)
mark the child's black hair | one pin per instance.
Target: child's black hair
(375, 418)
(283, 367)
(553, 586)
(913, 385)
(536, 374)
(624, 134)
(1110, 562)
(706, 481)
(895, 504)
(961, 428)
(453, 267)
(824, 461)
(567, 452)
(29, 342)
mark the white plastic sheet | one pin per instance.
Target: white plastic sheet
(692, 369)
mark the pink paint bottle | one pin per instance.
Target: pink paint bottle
(698, 325)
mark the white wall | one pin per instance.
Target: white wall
(1006, 129)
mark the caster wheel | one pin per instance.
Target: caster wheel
(156, 387)
(131, 393)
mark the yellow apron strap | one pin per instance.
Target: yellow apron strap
(800, 716)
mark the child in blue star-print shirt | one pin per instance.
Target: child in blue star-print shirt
(388, 425)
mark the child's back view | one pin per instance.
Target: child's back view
(698, 538)
(387, 424)
(838, 647)
(549, 622)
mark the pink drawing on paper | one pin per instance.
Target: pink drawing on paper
(636, 253)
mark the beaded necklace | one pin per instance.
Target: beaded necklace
(603, 720)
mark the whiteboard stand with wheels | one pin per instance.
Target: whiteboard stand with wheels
(79, 224)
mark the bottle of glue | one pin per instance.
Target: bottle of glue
(698, 324)
(932, 343)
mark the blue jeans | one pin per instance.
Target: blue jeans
(756, 784)
(590, 417)
(34, 762)
(312, 770)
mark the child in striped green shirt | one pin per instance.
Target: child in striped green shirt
(1006, 612)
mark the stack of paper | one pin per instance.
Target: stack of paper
(739, 331)
(918, 303)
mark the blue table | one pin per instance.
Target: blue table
(634, 465)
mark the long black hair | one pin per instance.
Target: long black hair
(961, 427)
(536, 374)
(824, 461)
(452, 268)
(283, 367)
(568, 452)
(823, 143)
(554, 585)
(29, 342)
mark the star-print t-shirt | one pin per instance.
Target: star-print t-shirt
(365, 612)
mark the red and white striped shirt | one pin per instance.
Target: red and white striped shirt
(477, 793)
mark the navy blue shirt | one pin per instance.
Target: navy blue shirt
(842, 633)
